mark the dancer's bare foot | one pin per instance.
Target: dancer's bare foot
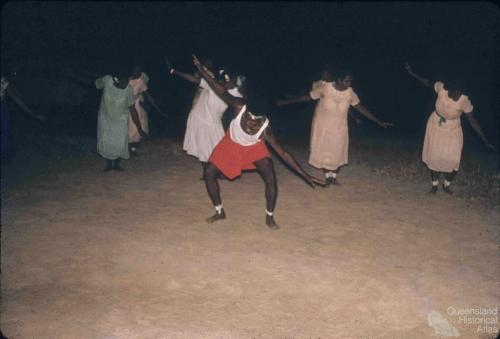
(271, 223)
(217, 216)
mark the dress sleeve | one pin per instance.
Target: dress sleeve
(354, 99)
(316, 91)
(467, 105)
(101, 82)
(438, 86)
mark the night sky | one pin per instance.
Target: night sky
(279, 46)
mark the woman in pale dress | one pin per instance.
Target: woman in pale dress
(117, 102)
(204, 127)
(443, 135)
(329, 131)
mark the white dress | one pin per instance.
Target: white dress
(443, 136)
(204, 125)
(329, 133)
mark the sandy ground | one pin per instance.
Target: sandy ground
(87, 254)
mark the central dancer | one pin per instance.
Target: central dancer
(243, 148)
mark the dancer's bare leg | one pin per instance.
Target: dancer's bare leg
(435, 182)
(211, 174)
(447, 181)
(265, 168)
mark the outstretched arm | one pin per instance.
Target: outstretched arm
(424, 81)
(295, 100)
(82, 79)
(21, 104)
(186, 76)
(363, 110)
(289, 160)
(475, 126)
(232, 101)
(152, 101)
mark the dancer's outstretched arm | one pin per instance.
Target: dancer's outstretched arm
(290, 160)
(475, 126)
(294, 100)
(363, 110)
(186, 76)
(78, 77)
(152, 101)
(234, 102)
(424, 81)
(13, 94)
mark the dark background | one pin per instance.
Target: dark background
(279, 46)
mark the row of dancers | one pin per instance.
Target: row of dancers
(243, 145)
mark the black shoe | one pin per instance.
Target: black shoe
(328, 181)
(433, 190)
(117, 166)
(109, 166)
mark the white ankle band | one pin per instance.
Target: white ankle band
(269, 213)
(334, 175)
(435, 183)
(447, 183)
(219, 209)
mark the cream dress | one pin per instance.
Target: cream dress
(329, 133)
(444, 141)
(204, 125)
(139, 86)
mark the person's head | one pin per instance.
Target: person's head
(455, 87)
(120, 81)
(136, 72)
(327, 73)
(343, 79)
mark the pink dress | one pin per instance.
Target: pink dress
(443, 136)
(329, 133)
(139, 86)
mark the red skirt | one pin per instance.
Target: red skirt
(231, 158)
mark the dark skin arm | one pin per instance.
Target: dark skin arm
(149, 97)
(475, 126)
(82, 79)
(289, 160)
(363, 110)
(137, 122)
(14, 96)
(424, 81)
(234, 102)
(295, 100)
(186, 76)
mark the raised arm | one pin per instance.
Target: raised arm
(363, 110)
(186, 76)
(424, 81)
(232, 101)
(475, 126)
(289, 160)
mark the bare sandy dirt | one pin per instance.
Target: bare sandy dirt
(87, 254)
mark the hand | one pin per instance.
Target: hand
(385, 124)
(408, 68)
(169, 67)
(312, 181)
